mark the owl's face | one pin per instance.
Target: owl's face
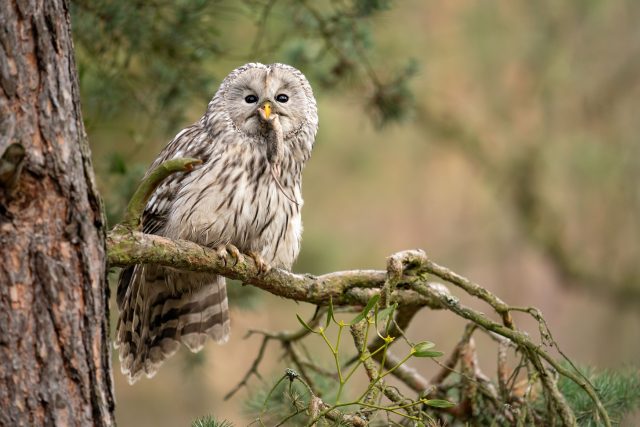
(282, 88)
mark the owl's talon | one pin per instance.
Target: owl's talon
(226, 251)
(235, 253)
(261, 264)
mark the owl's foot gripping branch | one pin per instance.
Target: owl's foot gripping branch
(408, 284)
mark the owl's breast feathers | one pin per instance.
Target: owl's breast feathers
(232, 198)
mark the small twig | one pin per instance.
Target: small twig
(503, 375)
(395, 270)
(468, 367)
(252, 371)
(452, 360)
(408, 375)
(302, 366)
(283, 337)
(357, 332)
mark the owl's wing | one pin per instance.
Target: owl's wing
(153, 319)
(194, 141)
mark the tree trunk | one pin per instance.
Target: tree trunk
(55, 364)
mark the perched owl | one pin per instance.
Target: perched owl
(254, 140)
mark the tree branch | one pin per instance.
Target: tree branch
(356, 287)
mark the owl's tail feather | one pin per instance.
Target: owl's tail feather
(154, 320)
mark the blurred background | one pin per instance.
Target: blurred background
(502, 137)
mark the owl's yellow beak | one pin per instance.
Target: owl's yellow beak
(267, 109)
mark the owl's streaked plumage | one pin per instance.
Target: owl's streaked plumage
(234, 198)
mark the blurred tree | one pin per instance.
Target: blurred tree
(557, 158)
(55, 366)
(155, 58)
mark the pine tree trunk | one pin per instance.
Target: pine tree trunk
(54, 339)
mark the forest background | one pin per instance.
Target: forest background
(500, 137)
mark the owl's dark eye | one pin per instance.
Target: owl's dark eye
(251, 99)
(282, 98)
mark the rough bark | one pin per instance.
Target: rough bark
(54, 342)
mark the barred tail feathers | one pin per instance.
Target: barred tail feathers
(154, 320)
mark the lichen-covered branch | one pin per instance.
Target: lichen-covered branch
(126, 247)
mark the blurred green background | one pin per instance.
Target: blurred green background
(502, 137)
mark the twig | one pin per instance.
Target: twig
(503, 375)
(523, 342)
(391, 393)
(453, 358)
(468, 367)
(252, 371)
(357, 332)
(408, 375)
(283, 337)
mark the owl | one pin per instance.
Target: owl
(254, 140)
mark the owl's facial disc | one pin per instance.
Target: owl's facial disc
(259, 94)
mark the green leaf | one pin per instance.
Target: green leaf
(209, 421)
(383, 314)
(428, 353)
(329, 313)
(423, 346)
(374, 299)
(304, 324)
(439, 403)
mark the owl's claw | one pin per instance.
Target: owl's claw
(228, 251)
(261, 264)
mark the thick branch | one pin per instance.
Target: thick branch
(354, 287)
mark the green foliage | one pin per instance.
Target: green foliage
(146, 60)
(368, 7)
(146, 55)
(122, 179)
(209, 421)
(423, 349)
(292, 398)
(288, 398)
(618, 389)
(393, 100)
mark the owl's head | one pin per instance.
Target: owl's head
(280, 89)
